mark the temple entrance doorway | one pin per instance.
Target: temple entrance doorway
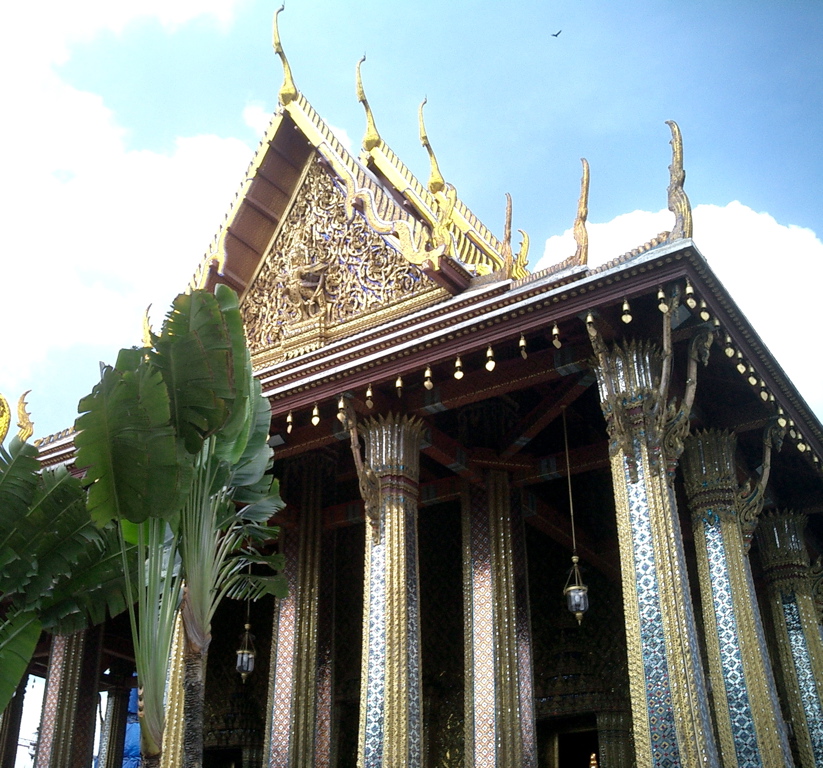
(567, 742)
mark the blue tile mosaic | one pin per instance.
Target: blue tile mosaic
(809, 694)
(734, 678)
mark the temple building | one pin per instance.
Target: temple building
(564, 518)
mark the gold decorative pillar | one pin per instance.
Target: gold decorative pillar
(68, 718)
(390, 678)
(300, 693)
(614, 739)
(780, 538)
(750, 727)
(10, 726)
(499, 692)
(670, 716)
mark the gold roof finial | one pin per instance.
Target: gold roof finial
(371, 138)
(508, 258)
(581, 235)
(678, 200)
(436, 181)
(24, 419)
(147, 334)
(5, 418)
(288, 91)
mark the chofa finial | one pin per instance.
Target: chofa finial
(678, 200)
(288, 91)
(436, 180)
(581, 235)
(371, 138)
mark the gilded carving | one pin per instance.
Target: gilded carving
(326, 266)
(750, 499)
(816, 576)
(367, 479)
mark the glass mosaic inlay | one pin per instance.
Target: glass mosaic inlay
(805, 676)
(665, 753)
(373, 745)
(734, 678)
(413, 634)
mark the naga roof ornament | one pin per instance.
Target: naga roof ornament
(288, 91)
(371, 138)
(513, 267)
(436, 181)
(23, 418)
(678, 200)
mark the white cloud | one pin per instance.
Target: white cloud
(342, 136)
(257, 117)
(773, 271)
(93, 232)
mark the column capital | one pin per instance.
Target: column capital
(709, 473)
(782, 545)
(393, 444)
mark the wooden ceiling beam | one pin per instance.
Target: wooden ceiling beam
(549, 408)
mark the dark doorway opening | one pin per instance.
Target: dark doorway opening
(567, 742)
(223, 758)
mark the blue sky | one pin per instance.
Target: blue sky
(133, 123)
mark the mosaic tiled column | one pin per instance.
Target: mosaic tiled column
(670, 717)
(750, 727)
(117, 710)
(499, 688)
(69, 708)
(780, 538)
(614, 740)
(300, 686)
(10, 726)
(390, 679)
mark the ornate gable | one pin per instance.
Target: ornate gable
(326, 276)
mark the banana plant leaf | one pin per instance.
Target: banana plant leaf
(19, 633)
(136, 467)
(194, 355)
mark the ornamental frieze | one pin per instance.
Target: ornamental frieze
(326, 275)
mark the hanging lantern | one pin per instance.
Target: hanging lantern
(369, 397)
(522, 345)
(490, 359)
(246, 652)
(458, 368)
(315, 415)
(575, 591)
(626, 317)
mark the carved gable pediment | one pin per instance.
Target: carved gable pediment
(326, 276)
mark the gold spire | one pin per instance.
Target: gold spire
(24, 419)
(581, 235)
(678, 201)
(371, 138)
(436, 180)
(288, 91)
(5, 418)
